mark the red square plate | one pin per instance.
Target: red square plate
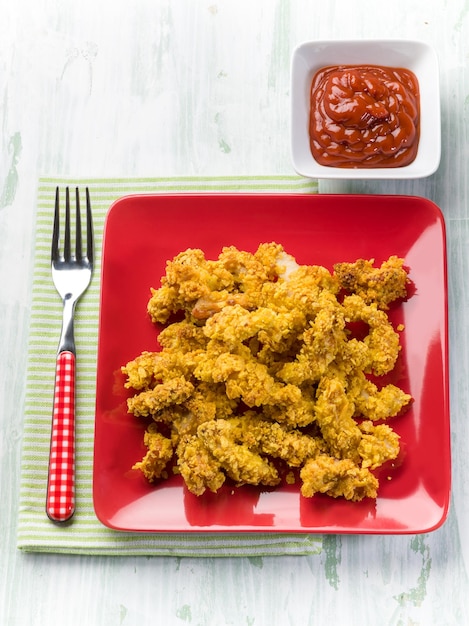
(143, 232)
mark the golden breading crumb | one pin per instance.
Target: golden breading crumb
(149, 402)
(381, 285)
(273, 259)
(376, 404)
(382, 341)
(239, 462)
(264, 437)
(234, 325)
(256, 387)
(378, 444)
(334, 415)
(140, 371)
(216, 301)
(208, 402)
(199, 469)
(188, 272)
(160, 452)
(265, 373)
(322, 340)
(273, 439)
(163, 303)
(337, 478)
(182, 338)
(151, 368)
(296, 414)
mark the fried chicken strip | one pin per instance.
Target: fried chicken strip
(373, 403)
(378, 444)
(382, 341)
(147, 403)
(337, 478)
(271, 438)
(321, 342)
(381, 285)
(198, 467)
(160, 452)
(334, 415)
(240, 463)
(151, 368)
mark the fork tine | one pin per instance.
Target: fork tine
(78, 251)
(55, 233)
(89, 228)
(67, 249)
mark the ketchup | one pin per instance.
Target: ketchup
(364, 116)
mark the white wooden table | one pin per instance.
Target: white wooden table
(185, 87)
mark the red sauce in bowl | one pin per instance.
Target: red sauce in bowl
(364, 116)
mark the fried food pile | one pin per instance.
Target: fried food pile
(264, 376)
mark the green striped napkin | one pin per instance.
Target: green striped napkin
(86, 535)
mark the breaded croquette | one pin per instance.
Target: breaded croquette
(264, 372)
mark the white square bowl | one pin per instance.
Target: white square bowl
(419, 57)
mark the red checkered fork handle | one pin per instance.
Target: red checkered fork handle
(60, 501)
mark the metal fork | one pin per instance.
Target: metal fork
(71, 274)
